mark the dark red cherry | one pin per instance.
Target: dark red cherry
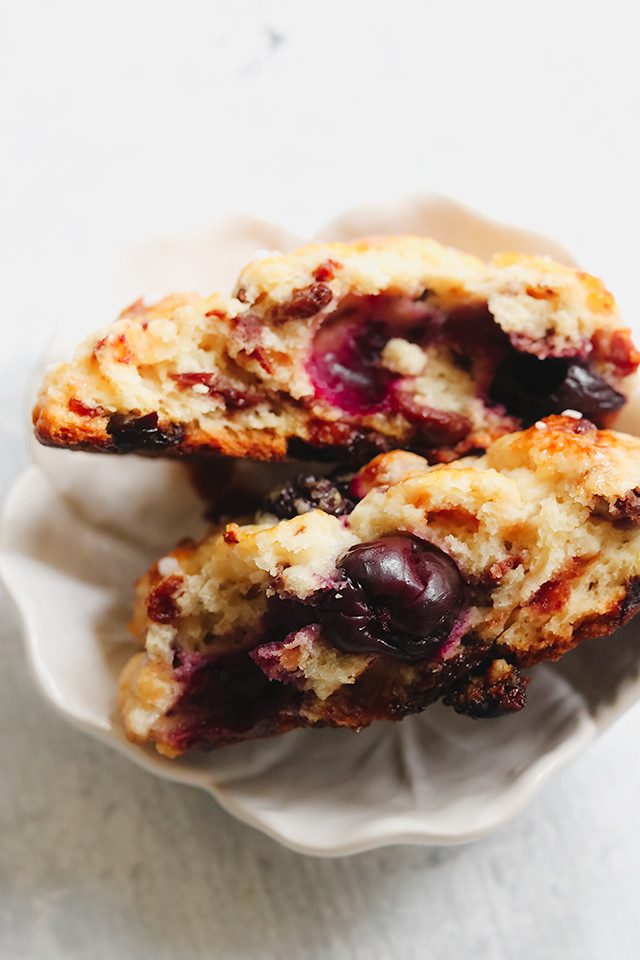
(130, 432)
(399, 595)
(531, 388)
(587, 392)
(345, 365)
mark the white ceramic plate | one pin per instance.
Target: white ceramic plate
(78, 529)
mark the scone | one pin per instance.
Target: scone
(374, 598)
(346, 350)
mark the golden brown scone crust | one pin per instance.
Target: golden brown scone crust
(544, 529)
(233, 375)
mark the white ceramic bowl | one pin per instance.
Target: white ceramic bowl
(78, 529)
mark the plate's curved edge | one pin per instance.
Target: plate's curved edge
(442, 205)
(26, 629)
(520, 792)
(369, 838)
(371, 835)
(537, 775)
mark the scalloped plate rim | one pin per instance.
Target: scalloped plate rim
(370, 836)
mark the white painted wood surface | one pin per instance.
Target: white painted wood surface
(133, 121)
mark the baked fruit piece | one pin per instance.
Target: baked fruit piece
(416, 583)
(354, 348)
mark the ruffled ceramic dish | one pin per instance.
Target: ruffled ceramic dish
(78, 529)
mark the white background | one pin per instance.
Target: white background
(130, 124)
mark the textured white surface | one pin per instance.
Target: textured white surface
(136, 120)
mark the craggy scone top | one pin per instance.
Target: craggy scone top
(392, 342)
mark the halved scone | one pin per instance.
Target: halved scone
(346, 350)
(413, 583)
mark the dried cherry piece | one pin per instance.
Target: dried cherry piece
(305, 302)
(434, 428)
